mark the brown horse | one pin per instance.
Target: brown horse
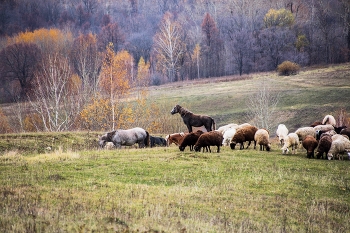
(191, 119)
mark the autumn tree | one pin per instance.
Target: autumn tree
(212, 47)
(18, 63)
(168, 47)
(56, 98)
(115, 80)
(278, 18)
(86, 61)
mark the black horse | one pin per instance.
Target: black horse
(191, 119)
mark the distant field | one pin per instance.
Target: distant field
(61, 182)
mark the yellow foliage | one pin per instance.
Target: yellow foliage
(281, 18)
(301, 42)
(46, 39)
(33, 123)
(4, 124)
(116, 73)
(73, 85)
(95, 115)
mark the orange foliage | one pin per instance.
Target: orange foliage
(33, 123)
(4, 124)
(95, 115)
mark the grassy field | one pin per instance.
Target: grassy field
(61, 182)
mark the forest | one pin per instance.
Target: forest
(66, 63)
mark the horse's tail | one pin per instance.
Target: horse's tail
(213, 123)
(146, 140)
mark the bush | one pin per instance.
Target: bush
(287, 68)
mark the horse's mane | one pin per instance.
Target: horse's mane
(183, 111)
(110, 135)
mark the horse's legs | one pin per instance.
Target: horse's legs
(189, 127)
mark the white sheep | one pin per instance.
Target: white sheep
(329, 119)
(223, 128)
(339, 145)
(304, 131)
(324, 128)
(291, 140)
(262, 138)
(281, 132)
(228, 135)
(109, 146)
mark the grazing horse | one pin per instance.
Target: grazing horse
(191, 119)
(126, 137)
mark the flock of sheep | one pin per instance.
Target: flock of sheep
(324, 137)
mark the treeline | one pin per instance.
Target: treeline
(53, 49)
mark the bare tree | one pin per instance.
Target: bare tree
(168, 46)
(55, 98)
(262, 105)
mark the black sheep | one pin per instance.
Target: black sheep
(190, 139)
(157, 141)
(212, 138)
(324, 145)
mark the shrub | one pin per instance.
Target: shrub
(287, 68)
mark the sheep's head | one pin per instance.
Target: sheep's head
(197, 148)
(182, 148)
(285, 150)
(233, 145)
(268, 147)
(329, 156)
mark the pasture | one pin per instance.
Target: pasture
(164, 190)
(62, 182)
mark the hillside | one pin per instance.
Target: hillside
(305, 97)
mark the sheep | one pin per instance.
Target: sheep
(212, 138)
(109, 146)
(339, 129)
(329, 119)
(228, 135)
(310, 144)
(189, 140)
(324, 145)
(157, 141)
(262, 138)
(175, 138)
(345, 131)
(242, 135)
(320, 133)
(340, 145)
(291, 140)
(324, 127)
(223, 128)
(281, 132)
(304, 131)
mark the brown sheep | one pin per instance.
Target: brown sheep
(262, 138)
(310, 143)
(189, 140)
(324, 145)
(175, 138)
(212, 138)
(345, 131)
(242, 135)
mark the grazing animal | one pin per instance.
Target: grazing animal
(109, 146)
(340, 144)
(156, 141)
(324, 145)
(228, 135)
(304, 131)
(319, 133)
(175, 138)
(212, 138)
(242, 135)
(190, 140)
(262, 138)
(127, 137)
(339, 129)
(191, 119)
(281, 132)
(310, 143)
(345, 131)
(327, 127)
(224, 128)
(329, 119)
(291, 140)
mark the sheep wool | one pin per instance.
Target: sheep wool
(291, 140)
(339, 146)
(262, 138)
(304, 131)
(281, 132)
